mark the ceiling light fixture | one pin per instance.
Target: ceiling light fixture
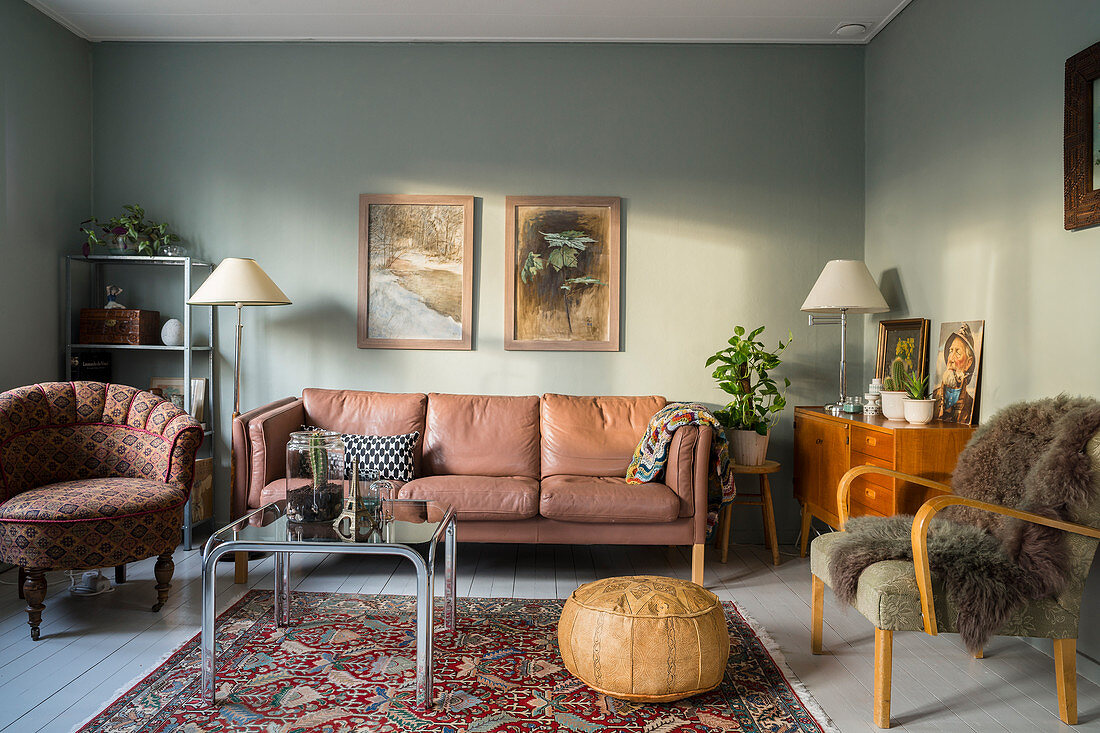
(850, 30)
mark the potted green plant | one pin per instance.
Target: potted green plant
(894, 386)
(916, 406)
(129, 234)
(743, 371)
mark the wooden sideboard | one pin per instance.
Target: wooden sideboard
(826, 446)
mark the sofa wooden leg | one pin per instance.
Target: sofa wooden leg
(34, 591)
(697, 554)
(884, 658)
(1065, 672)
(240, 567)
(817, 612)
(163, 571)
(120, 574)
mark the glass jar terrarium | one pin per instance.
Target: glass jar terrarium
(314, 476)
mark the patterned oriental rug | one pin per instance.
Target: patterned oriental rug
(346, 664)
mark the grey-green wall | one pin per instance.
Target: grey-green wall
(964, 193)
(45, 182)
(740, 168)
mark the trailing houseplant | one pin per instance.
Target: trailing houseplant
(130, 233)
(743, 371)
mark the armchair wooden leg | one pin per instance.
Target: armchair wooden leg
(163, 572)
(240, 567)
(22, 579)
(884, 657)
(34, 591)
(120, 574)
(697, 554)
(980, 654)
(804, 535)
(1065, 672)
(817, 612)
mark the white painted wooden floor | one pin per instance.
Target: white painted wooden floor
(91, 647)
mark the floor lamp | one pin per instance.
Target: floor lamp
(843, 287)
(238, 281)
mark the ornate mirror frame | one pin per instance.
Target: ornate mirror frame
(1082, 199)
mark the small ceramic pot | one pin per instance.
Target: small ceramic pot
(892, 408)
(918, 412)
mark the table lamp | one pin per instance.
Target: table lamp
(843, 287)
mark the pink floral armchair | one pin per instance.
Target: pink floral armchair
(91, 475)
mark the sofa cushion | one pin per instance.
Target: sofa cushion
(479, 497)
(606, 499)
(380, 456)
(366, 413)
(592, 436)
(92, 499)
(482, 435)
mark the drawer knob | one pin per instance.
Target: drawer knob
(872, 441)
(870, 493)
(820, 441)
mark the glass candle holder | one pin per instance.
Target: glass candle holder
(314, 476)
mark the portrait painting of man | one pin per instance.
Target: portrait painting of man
(957, 364)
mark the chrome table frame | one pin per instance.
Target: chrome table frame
(425, 588)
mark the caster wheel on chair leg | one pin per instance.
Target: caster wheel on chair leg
(35, 634)
(159, 605)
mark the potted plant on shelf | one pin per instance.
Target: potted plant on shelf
(743, 372)
(894, 386)
(917, 408)
(129, 234)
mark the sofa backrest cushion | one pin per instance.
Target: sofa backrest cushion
(367, 413)
(593, 436)
(482, 435)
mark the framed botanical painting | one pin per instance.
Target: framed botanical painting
(561, 265)
(906, 339)
(958, 368)
(416, 256)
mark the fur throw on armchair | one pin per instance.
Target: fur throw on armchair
(1030, 456)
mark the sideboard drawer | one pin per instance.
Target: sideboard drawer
(873, 443)
(878, 499)
(861, 459)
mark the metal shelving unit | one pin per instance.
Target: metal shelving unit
(187, 351)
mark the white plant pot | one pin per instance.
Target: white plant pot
(748, 447)
(892, 407)
(918, 412)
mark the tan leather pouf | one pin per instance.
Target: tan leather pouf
(644, 638)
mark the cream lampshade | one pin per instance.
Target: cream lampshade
(238, 280)
(843, 287)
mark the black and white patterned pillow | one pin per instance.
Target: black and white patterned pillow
(380, 456)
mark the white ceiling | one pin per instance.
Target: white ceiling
(691, 21)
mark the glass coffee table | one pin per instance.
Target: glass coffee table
(403, 525)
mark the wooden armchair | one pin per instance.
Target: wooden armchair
(898, 595)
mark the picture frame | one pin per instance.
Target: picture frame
(1081, 145)
(171, 389)
(957, 388)
(562, 273)
(895, 334)
(416, 272)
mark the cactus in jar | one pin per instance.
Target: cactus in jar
(318, 460)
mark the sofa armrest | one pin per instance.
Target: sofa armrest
(268, 434)
(241, 456)
(687, 474)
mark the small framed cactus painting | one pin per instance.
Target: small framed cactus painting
(902, 344)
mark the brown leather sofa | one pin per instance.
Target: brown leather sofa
(547, 469)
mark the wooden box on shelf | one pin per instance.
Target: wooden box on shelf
(119, 326)
(826, 446)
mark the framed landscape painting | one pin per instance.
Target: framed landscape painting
(562, 273)
(415, 272)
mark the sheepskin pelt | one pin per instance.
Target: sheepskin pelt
(1030, 456)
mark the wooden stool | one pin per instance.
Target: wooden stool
(763, 500)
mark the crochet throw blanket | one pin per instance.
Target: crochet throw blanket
(651, 455)
(1030, 456)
